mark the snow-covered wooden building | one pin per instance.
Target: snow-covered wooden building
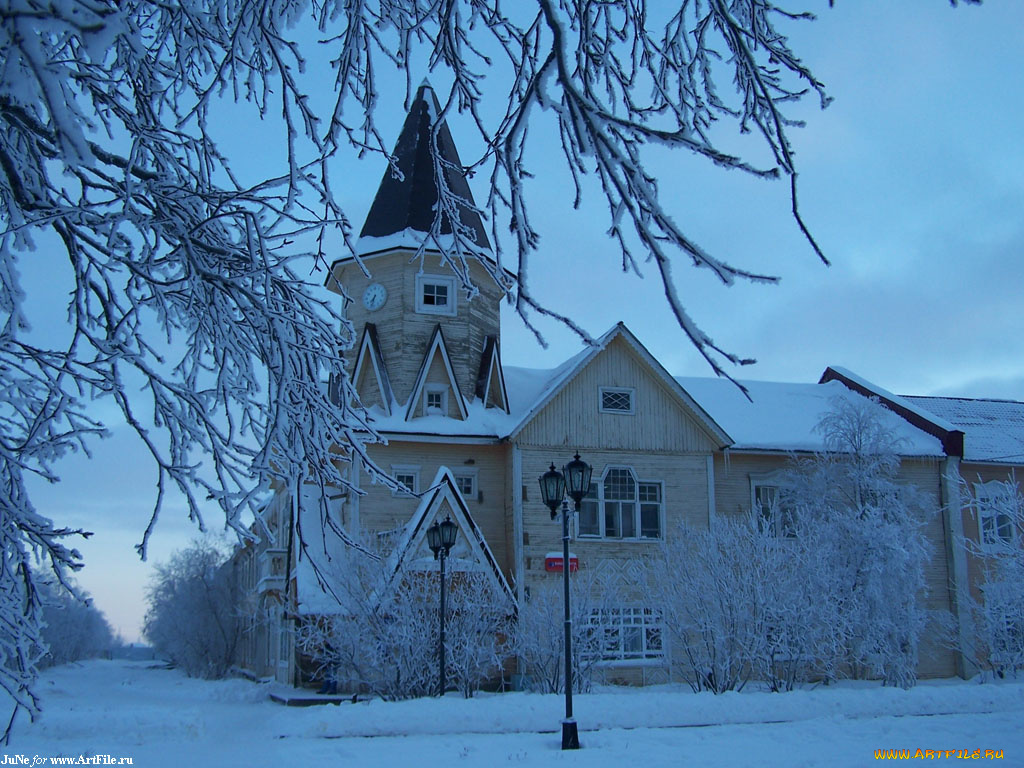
(469, 437)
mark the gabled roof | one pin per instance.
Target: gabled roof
(491, 377)
(470, 553)
(783, 417)
(568, 371)
(370, 354)
(436, 348)
(949, 435)
(993, 430)
(408, 194)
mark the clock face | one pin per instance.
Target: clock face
(374, 296)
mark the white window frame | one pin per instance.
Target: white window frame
(772, 480)
(406, 469)
(600, 500)
(435, 389)
(471, 474)
(613, 625)
(993, 499)
(450, 309)
(619, 391)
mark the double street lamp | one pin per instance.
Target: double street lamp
(441, 539)
(574, 479)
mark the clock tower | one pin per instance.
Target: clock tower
(427, 346)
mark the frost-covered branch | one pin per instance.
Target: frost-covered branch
(190, 307)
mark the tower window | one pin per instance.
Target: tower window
(435, 400)
(435, 295)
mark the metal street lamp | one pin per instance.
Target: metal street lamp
(574, 478)
(441, 539)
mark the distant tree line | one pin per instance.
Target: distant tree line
(194, 612)
(73, 628)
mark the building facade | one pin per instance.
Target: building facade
(468, 437)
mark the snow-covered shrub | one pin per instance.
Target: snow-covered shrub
(997, 614)
(384, 637)
(478, 631)
(740, 604)
(74, 629)
(192, 617)
(539, 638)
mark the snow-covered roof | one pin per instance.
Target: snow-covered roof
(783, 416)
(886, 395)
(526, 387)
(993, 429)
(529, 391)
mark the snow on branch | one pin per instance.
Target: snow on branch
(189, 307)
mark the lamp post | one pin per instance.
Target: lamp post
(574, 479)
(441, 538)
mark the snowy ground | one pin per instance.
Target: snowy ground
(158, 717)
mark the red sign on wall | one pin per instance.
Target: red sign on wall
(553, 562)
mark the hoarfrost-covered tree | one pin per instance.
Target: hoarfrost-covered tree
(193, 617)
(188, 309)
(997, 611)
(877, 549)
(827, 582)
(74, 628)
(478, 632)
(742, 604)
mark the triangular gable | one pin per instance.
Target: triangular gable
(490, 382)
(436, 349)
(370, 362)
(470, 553)
(620, 330)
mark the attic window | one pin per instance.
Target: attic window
(435, 400)
(616, 400)
(435, 295)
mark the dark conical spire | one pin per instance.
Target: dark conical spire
(409, 202)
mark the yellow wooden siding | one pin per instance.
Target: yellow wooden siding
(572, 419)
(379, 510)
(404, 334)
(684, 483)
(972, 474)
(366, 386)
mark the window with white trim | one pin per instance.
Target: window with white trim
(466, 483)
(773, 514)
(435, 295)
(435, 399)
(616, 400)
(407, 475)
(622, 507)
(590, 513)
(996, 503)
(626, 633)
